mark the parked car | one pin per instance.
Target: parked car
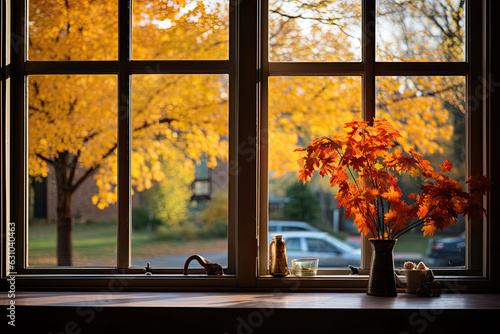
(330, 251)
(446, 252)
(289, 226)
(354, 241)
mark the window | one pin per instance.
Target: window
(293, 244)
(127, 119)
(150, 130)
(293, 228)
(318, 245)
(410, 62)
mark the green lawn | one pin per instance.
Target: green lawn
(92, 244)
(412, 243)
(95, 244)
(409, 243)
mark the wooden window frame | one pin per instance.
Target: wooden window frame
(123, 68)
(249, 70)
(369, 69)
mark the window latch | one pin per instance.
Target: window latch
(211, 268)
(147, 270)
(354, 270)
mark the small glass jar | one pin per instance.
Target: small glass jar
(278, 264)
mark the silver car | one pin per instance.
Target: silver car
(289, 226)
(330, 251)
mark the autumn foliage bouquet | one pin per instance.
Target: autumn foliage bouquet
(364, 165)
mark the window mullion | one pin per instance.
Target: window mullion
(264, 72)
(4, 179)
(72, 67)
(247, 109)
(368, 24)
(474, 127)
(124, 136)
(315, 69)
(19, 132)
(421, 68)
(368, 56)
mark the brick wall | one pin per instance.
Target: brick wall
(81, 202)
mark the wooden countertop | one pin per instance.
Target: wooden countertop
(281, 300)
(249, 313)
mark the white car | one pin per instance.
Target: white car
(330, 251)
(289, 226)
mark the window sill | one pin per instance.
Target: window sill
(227, 283)
(259, 312)
(121, 282)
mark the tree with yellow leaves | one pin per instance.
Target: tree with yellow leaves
(301, 108)
(176, 119)
(73, 118)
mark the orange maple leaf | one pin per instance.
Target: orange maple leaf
(365, 150)
(393, 194)
(428, 230)
(447, 166)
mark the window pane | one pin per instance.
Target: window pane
(300, 110)
(318, 245)
(293, 228)
(73, 30)
(316, 30)
(430, 114)
(430, 30)
(72, 170)
(175, 30)
(293, 244)
(179, 168)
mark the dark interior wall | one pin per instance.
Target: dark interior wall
(107, 320)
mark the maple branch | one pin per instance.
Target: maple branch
(371, 229)
(348, 168)
(416, 223)
(423, 94)
(330, 21)
(409, 227)
(382, 216)
(273, 35)
(357, 186)
(389, 222)
(73, 167)
(147, 125)
(92, 169)
(47, 160)
(380, 220)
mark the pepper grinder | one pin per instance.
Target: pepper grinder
(278, 264)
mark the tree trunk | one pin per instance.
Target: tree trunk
(64, 228)
(63, 174)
